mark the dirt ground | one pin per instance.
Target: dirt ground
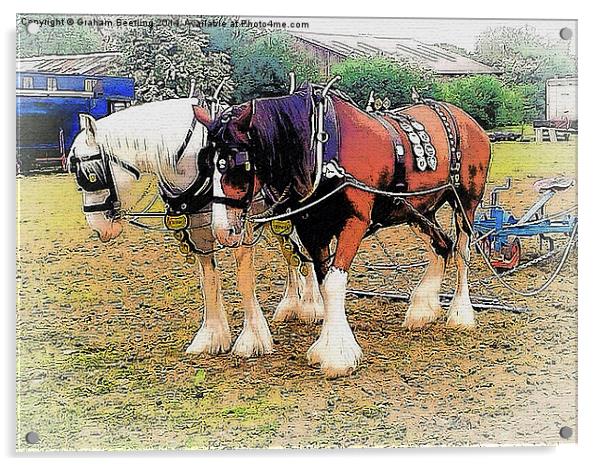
(101, 331)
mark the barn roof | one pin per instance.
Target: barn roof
(440, 60)
(98, 63)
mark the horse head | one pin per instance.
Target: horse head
(264, 143)
(97, 181)
(234, 176)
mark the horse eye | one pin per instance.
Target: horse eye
(222, 164)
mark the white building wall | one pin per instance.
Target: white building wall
(561, 98)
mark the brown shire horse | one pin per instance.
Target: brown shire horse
(267, 144)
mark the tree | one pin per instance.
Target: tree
(165, 60)
(387, 77)
(261, 61)
(524, 56)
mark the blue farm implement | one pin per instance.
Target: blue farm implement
(499, 230)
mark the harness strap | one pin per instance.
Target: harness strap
(198, 195)
(186, 141)
(190, 201)
(453, 138)
(397, 149)
(106, 182)
(126, 166)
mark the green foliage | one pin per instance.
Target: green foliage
(386, 77)
(199, 377)
(65, 40)
(261, 62)
(165, 60)
(487, 99)
(533, 101)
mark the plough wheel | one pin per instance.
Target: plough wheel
(509, 256)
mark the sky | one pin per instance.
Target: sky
(461, 32)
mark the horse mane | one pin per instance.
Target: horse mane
(281, 133)
(148, 136)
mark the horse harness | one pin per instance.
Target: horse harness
(98, 176)
(419, 140)
(93, 174)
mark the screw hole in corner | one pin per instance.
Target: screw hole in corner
(32, 438)
(33, 28)
(566, 432)
(566, 33)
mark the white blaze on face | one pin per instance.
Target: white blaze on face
(227, 223)
(220, 224)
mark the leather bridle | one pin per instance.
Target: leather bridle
(98, 176)
(236, 157)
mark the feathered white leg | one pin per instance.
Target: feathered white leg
(255, 338)
(336, 350)
(214, 335)
(291, 302)
(460, 312)
(311, 308)
(424, 303)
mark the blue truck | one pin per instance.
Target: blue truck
(48, 105)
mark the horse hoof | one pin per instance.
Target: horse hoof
(336, 372)
(311, 312)
(210, 341)
(286, 310)
(418, 319)
(337, 356)
(461, 316)
(451, 323)
(253, 342)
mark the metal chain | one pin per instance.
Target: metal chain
(523, 266)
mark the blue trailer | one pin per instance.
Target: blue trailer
(48, 105)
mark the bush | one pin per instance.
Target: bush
(487, 99)
(386, 77)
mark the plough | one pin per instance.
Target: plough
(500, 231)
(498, 234)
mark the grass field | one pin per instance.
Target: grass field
(101, 331)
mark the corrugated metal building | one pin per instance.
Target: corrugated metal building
(330, 49)
(99, 63)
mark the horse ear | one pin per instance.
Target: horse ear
(88, 124)
(202, 115)
(245, 119)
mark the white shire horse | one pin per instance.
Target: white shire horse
(160, 138)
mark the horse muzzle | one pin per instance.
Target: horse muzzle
(229, 236)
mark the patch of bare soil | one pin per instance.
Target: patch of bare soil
(101, 330)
